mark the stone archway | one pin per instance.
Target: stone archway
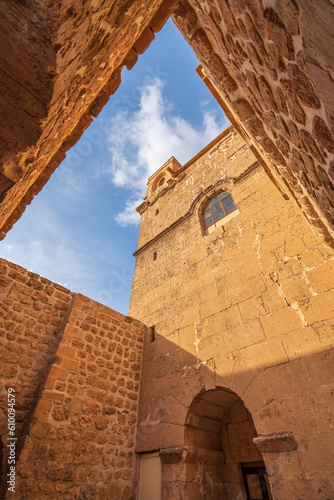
(265, 66)
(219, 433)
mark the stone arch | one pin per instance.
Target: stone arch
(159, 182)
(203, 197)
(263, 81)
(218, 436)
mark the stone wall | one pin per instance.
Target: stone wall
(267, 59)
(33, 312)
(75, 367)
(270, 62)
(85, 45)
(27, 65)
(248, 307)
(219, 431)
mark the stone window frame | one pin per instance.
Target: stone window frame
(225, 218)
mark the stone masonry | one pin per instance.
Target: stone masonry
(75, 367)
(271, 63)
(246, 307)
(263, 59)
(239, 350)
(60, 61)
(237, 366)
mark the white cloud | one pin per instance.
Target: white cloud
(129, 214)
(142, 141)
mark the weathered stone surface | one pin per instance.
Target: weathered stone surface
(284, 88)
(64, 55)
(246, 306)
(274, 76)
(322, 134)
(276, 443)
(247, 50)
(85, 412)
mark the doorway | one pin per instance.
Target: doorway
(226, 463)
(149, 477)
(256, 481)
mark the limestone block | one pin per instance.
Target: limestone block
(227, 319)
(250, 288)
(296, 290)
(301, 343)
(319, 308)
(280, 322)
(322, 277)
(244, 335)
(294, 247)
(251, 309)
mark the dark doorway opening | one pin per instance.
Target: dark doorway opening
(256, 481)
(220, 432)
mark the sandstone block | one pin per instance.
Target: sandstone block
(280, 322)
(244, 335)
(296, 290)
(131, 59)
(251, 309)
(201, 43)
(57, 372)
(322, 134)
(301, 342)
(275, 443)
(250, 288)
(227, 319)
(162, 14)
(322, 277)
(319, 308)
(144, 40)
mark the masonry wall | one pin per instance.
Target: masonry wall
(62, 61)
(27, 62)
(248, 307)
(75, 367)
(267, 60)
(33, 311)
(271, 62)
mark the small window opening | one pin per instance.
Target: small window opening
(217, 208)
(154, 255)
(157, 211)
(158, 183)
(152, 334)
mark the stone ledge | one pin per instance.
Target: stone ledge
(276, 443)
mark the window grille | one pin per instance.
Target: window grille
(217, 208)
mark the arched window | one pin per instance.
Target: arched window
(158, 183)
(217, 208)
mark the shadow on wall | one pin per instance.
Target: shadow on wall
(203, 416)
(28, 62)
(70, 373)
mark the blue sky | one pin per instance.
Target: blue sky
(82, 229)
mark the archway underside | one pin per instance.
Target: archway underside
(220, 431)
(268, 67)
